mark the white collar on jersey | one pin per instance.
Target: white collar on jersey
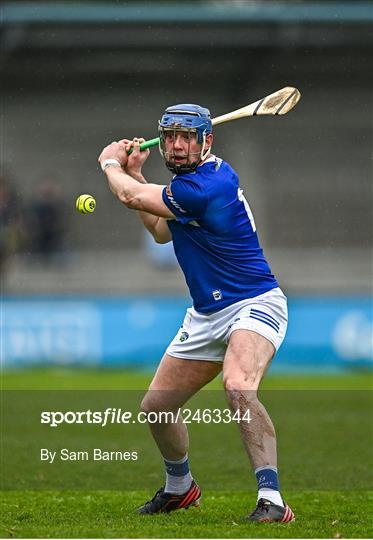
(213, 159)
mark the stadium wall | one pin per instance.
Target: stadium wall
(325, 334)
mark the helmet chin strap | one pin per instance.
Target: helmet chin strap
(204, 153)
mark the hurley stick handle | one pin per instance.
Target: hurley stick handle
(147, 144)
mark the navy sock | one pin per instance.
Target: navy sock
(178, 476)
(268, 484)
(267, 477)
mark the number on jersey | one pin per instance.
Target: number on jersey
(241, 197)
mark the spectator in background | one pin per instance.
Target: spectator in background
(47, 222)
(11, 223)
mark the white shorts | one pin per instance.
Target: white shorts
(206, 337)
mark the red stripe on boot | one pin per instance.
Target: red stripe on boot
(188, 498)
(286, 515)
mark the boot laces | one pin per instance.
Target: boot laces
(261, 505)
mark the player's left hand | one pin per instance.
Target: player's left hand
(137, 158)
(115, 150)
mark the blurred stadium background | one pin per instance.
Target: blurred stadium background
(93, 290)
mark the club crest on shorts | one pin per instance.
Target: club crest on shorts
(183, 336)
(217, 294)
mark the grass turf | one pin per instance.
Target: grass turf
(117, 379)
(221, 515)
(110, 514)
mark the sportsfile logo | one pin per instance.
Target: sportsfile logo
(172, 200)
(112, 415)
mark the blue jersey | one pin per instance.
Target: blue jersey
(215, 238)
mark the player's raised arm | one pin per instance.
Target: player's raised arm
(157, 226)
(133, 194)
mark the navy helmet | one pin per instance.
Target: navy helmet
(192, 119)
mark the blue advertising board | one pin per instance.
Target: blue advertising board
(324, 334)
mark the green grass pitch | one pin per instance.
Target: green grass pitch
(320, 513)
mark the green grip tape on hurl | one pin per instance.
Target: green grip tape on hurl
(147, 144)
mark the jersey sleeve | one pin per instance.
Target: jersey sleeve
(186, 200)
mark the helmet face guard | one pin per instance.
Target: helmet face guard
(189, 118)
